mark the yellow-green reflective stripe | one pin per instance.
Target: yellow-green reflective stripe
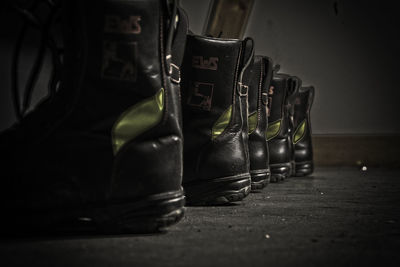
(300, 131)
(137, 119)
(273, 129)
(252, 122)
(222, 122)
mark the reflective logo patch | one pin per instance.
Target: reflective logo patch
(119, 61)
(137, 119)
(199, 62)
(124, 25)
(300, 132)
(201, 95)
(222, 122)
(273, 129)
(119, 54)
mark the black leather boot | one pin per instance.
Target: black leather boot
(216, 164)
(258, 99)
(289, 106)
(282, 89)
(303, 150)
(105, 152)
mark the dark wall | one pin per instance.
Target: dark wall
(348, 49)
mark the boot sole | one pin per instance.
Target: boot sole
(293, 172)
(259, 180)
(304, 168)
(280, 172)
(147, 215)
(220, 191)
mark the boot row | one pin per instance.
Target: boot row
(245, 124)
(289, 127)
(142, 117)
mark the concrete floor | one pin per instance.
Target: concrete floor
(338, 217)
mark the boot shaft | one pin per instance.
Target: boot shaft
(117, 113)
(115, 56)
(281, 97)
(302, 105)
(291, 99)
(280, 123)
(214, 71)
(258, 100)
(209, 79)
(105, 152)
(214, 86)
(258, 94)
(302, 134)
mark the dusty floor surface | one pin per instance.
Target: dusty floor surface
(337, 217)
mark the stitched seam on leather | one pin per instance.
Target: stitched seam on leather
(260, 92)
(235, 84)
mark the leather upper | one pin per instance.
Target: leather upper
(281, 93)
(258, 97)
(302, 109)
(210, 78)
(115, 57)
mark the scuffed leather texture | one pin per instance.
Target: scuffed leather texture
(284, 89)
(302, 109)
(65, 157)
(206, 158)
(258, 146)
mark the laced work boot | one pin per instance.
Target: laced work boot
(105, 152)
(303, 151)
(216, 164)
(258, 99)
(281, 91)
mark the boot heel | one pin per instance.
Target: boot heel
(218, 191)
(145, 215)
(148, 215)
(280, 172)
(260, 180)
(304, 168)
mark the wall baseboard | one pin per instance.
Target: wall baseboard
(357, 150)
